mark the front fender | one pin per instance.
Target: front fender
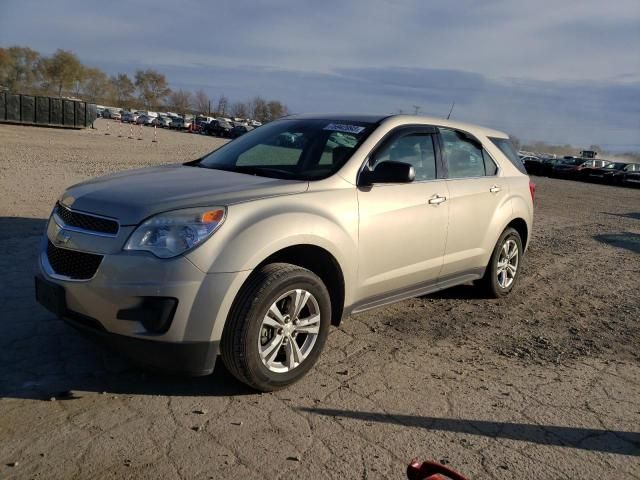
(255, 230)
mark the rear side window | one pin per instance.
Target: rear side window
(465, 156)
(506, 147)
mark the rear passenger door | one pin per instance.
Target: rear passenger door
(476, 192)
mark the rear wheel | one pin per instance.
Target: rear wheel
(277, 327)
(504, 266)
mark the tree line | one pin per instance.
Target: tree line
(24, 70)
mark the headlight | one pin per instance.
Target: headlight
(170, 234)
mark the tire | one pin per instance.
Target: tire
(246, 339)
(494, 285)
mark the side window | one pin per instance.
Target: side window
(490, 167)
(414, 148)
(465, 158)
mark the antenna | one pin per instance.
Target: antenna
(453, 104)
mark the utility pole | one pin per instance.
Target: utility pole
(416, 109)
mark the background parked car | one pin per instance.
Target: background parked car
(161, 122)
(180, 123)
(144, 120)
(547, 166)
(239, 130)
(112, 114)
(129, 117)
(632, 176)
(532, 164)
(201, 123)
(566, 167)
(612, 173)
(218, 128)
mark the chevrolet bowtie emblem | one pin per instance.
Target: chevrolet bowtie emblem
(62, 237)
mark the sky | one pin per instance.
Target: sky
(560, 71)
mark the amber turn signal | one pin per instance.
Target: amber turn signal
(212, 216)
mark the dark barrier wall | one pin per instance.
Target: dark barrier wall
(55, 112)
(51, 111)
(42, 110)
(12, 106)
(28, 109)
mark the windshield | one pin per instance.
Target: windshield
(309, 149)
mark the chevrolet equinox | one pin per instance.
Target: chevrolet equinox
(253, 251)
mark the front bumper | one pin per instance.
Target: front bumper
(186, 358)
(105, 307)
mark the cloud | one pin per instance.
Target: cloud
(559, 71)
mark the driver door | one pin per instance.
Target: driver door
(403, 227)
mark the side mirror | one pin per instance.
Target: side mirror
(389, 172)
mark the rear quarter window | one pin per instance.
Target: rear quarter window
(506, 147)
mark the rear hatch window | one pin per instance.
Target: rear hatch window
(506, 147)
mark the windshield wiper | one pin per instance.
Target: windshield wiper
(262, 171)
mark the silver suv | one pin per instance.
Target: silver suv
(255, 250)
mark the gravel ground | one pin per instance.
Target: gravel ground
(542, 384)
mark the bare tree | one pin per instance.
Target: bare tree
(152, 87)
(123, 89)
(95, 85)
(259, 109)
(277, 110)
(239, 110)
(62, 71)
(223, 106)
(20, 69)
(180, 100)
(201, 102)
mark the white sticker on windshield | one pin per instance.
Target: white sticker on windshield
(341, 127)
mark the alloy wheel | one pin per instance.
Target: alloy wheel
(289, 331)
(508, 260)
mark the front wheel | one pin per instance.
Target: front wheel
(277, 327)
(504, 266)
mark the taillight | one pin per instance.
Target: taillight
(532, 190)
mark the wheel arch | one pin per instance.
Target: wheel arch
(520, 226)
(323, 264)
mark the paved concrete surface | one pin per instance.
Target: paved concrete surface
(544, 384)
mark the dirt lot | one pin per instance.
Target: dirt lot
(542, 384)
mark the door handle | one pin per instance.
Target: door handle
(495, 189)
(437, 200)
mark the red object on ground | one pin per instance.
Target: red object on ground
(431, 471)
(532, 190)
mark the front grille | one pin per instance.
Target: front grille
(73, 264)
(86, 221)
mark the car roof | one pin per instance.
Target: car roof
(342, 117)
(401, 119)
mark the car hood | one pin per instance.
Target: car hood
(134, 195)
